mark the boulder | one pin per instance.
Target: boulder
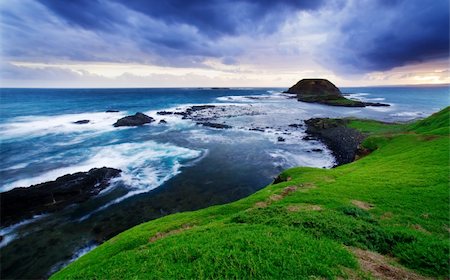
(134, 120)
(163, 113)
(214, 125)
(81, 122)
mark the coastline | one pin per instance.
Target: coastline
(294, 193)
(198, 185)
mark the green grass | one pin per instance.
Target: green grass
(438, 124)
(403, 186)
(341, 102)
(369, 126)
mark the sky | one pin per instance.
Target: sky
(227, 43)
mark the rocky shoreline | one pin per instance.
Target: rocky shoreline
(343, 141)
(23, 203)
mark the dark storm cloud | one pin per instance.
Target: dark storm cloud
(213, 17)
(362, 35)
(85, 13)
(378, 36)
(170, 32)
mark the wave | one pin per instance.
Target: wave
(32, 126)
(142, 164)
(76, 255)
(8, 234)
(414, 114)
(272, 96)
(288, 159)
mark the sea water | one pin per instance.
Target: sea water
(166, 167)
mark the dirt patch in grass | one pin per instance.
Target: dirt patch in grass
(304, 207)
(429, 137)
(275, 197)
(304, 187)
(425, 215)
(285, 192)
(420, 228)
(328, 179)
(261, 204)
(160, 235)
(363, 205)
(387, 216)
(380, 268)
(288, 190)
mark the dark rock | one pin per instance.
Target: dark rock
(23, 203)
(180, 113)
(280, 179)
(82, 122)
(257, 129)
(163, 113)
(162, 121)
(377, 104)
(199, 108)
(220, 88)
(135, 120)
(281, 139)
(324, 92)
(317, 150)
(214, 125)
(112, 111)
(340, 139)
(296, 125)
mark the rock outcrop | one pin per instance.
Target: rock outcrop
(134, 120)
(214, 125)
(23, 203)
(82, 122)
(340, 139)
(324, 92)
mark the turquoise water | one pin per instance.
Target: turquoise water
(166, 168)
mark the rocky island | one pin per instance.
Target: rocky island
(324, 92)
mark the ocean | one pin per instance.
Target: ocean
(167, 167)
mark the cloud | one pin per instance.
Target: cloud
(291, 37)
(381, 35)
(172, 32)
(213, 18)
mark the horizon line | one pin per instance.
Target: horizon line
(221, 87)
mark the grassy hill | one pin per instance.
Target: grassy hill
(385, 215)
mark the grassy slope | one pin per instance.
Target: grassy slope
(286, 234)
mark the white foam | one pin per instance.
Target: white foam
(272, 96)
(358, 94)
(16, 166)
(302, 158)
(414, 114)
(9, 233)
(76, 255)
(31, 126)
(134, 159)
